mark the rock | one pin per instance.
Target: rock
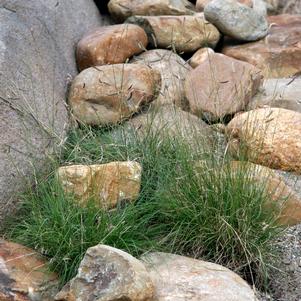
(122, 9)
(285, 202)
(24, 275)
(110, 45)
(200, 56)
(279, 93)
(247, 25)
(220, 86)
(108, 274)
(37, 40)
(173, 70)
(180, 33)
(286, 7)
(107, 184)
(200, 4)
(180, 278)
(269, 137)
(279, 54)
(107, 94)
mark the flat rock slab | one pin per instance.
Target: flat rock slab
(269, 137)
(178, 278)
(220, 86)
(24, 275)
(108, 274)
(236, 20)
(180, 33)
(279, 54)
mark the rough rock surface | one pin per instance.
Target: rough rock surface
(200, 4)
(279, 93)
(279, 54)
(221, 86)
(108, 274)
(107, 94)
(110, 45)
(24, 275)
(37, 40)
(107, 184)
(247, 25)
(182, 33)
(173, 70)
(180, 278)
(122, 9)
(200, 56)
(268, 136)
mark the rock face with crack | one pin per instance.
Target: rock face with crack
(108, 274)
(221, 85)
(107, 184)
(268, 136)
(110, 45)
(182, 33)
(108, 94)
(279, 54)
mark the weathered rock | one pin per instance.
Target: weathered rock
(200, 56)
(180, 278)
(268, 136)
(24, 275)
(200, 4)
(173, 70)
(284, 201)
(220, 86)
(107, 94)
(181, 33)
(110, 45)
(286, 7)
(248, 25)
(279, 93)
(107, 184)
(37, 40)
(279, 54)
(108, 274)
(122, 9)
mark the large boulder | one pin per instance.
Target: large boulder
(37, 40)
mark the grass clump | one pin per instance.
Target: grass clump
(190, 204)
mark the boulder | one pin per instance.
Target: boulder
(108, 274)
(200, 56)
(247, 25)
(180, 278)
(173, 70)
(105, 95)
(110, 45)
(106, 184)
(24, 275)
(268, 136)
(180, 33)
(122, 9)
(278, 93)
(200, 4)
(220, 86)
(287, 7)
(279, 54)
(37, 40)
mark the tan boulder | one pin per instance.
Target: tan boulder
(268, 136)
(105, 95)
(122, 9)
(24, 275)
(278, 93)
(173, 70)
(107, 184)
(200, 56)
(279, 54)
(180, 33)
(200, 4)
(108, 274)
(110, 45)
(220, 86)
(180, 278)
